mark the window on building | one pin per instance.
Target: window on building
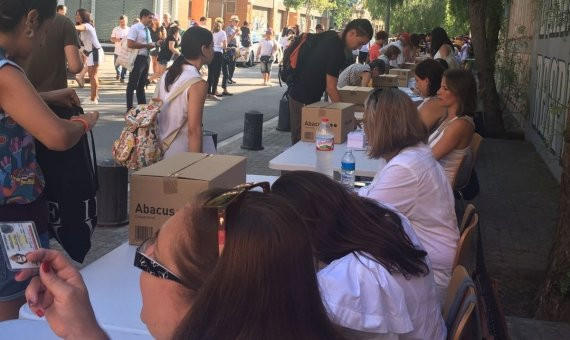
(230, 6)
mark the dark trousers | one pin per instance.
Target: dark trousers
(225, 73)
(295, 109)
(121, 71)
(214, 70)
(231, 65)
(137, 80)
(362, 56)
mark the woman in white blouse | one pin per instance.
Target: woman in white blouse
(377, 281)
(411, 181)
(451, 142)
(92, 48)
(181, 117)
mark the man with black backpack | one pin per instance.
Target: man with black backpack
(312, 65)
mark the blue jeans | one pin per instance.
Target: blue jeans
(121, 71)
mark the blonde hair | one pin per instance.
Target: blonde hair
(217, 27)
(391, 122)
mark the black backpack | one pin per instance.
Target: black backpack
(71, 186)
(296, 54)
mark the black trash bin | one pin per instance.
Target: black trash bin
(112, 197)
(252, 131)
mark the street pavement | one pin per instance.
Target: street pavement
(224, 117)
(517, 203)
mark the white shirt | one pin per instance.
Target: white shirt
(365, 48)
(89, 38)
(284, 42)
(400, 59)
(415, 184)
(450, 59)
(360, 294)
(119, 33)
(172, 114)
(219, 38)
(267, 47)
(140, 34)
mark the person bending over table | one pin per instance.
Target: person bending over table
(261, 285)
(366, 245)
(428, 75)
(412, 181)
(361, 74)
(451, 142)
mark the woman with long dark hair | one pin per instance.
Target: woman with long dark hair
(24, 117)
(442, 47)
(261, 286)
(451, 142)
(168, 51)
(428, 75)
(181, 117)
(411, 181)
(366, 245)
(93, 49)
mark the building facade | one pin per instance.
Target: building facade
(106, 13)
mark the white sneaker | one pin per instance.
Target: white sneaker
(88, 101)
(213, 97)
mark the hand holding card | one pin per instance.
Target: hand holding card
(60, 294)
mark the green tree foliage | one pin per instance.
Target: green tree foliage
(420, 16)
(341, 11)
(292, 4)
(456, 17)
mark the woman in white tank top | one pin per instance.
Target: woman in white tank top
(451, 142)
(181, 116)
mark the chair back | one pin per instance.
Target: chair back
(468, 214)
(466, 254)
(466, 166)
(458, 285)
(467, 325)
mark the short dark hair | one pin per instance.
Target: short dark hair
(363, 27)
(462, 84)
(122, 16)
(381, 35)
(415, 40)
(84, 15)
(379, 64)
(145, 13)
(59, 7)
(202, 19)
(443, 63)
(391, 51)
(433, 71)
(12, 11)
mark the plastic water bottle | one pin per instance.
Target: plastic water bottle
(347, 166)
(325, 146)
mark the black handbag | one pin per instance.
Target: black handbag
(71, 187)
(284, 122)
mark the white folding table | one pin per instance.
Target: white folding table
(302, 156)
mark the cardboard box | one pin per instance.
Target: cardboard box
(409, 66)
(354, 94)
(159, 190)
(403, 76)
(385, 80)
(420, 59)
(340, 115)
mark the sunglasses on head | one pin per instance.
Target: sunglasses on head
(223, 201)
(151, 266)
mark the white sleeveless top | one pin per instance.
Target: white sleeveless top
(173, 114)
(452, 161)
(427, 99)
(89, 38)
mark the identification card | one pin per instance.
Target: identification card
(18, 239)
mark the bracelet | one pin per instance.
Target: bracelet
(82, 121)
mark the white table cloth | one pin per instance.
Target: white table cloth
(303, 156)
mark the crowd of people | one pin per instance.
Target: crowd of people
(306, 258)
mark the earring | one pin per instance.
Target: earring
(29, 33)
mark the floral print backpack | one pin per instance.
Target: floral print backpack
(139, 143)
